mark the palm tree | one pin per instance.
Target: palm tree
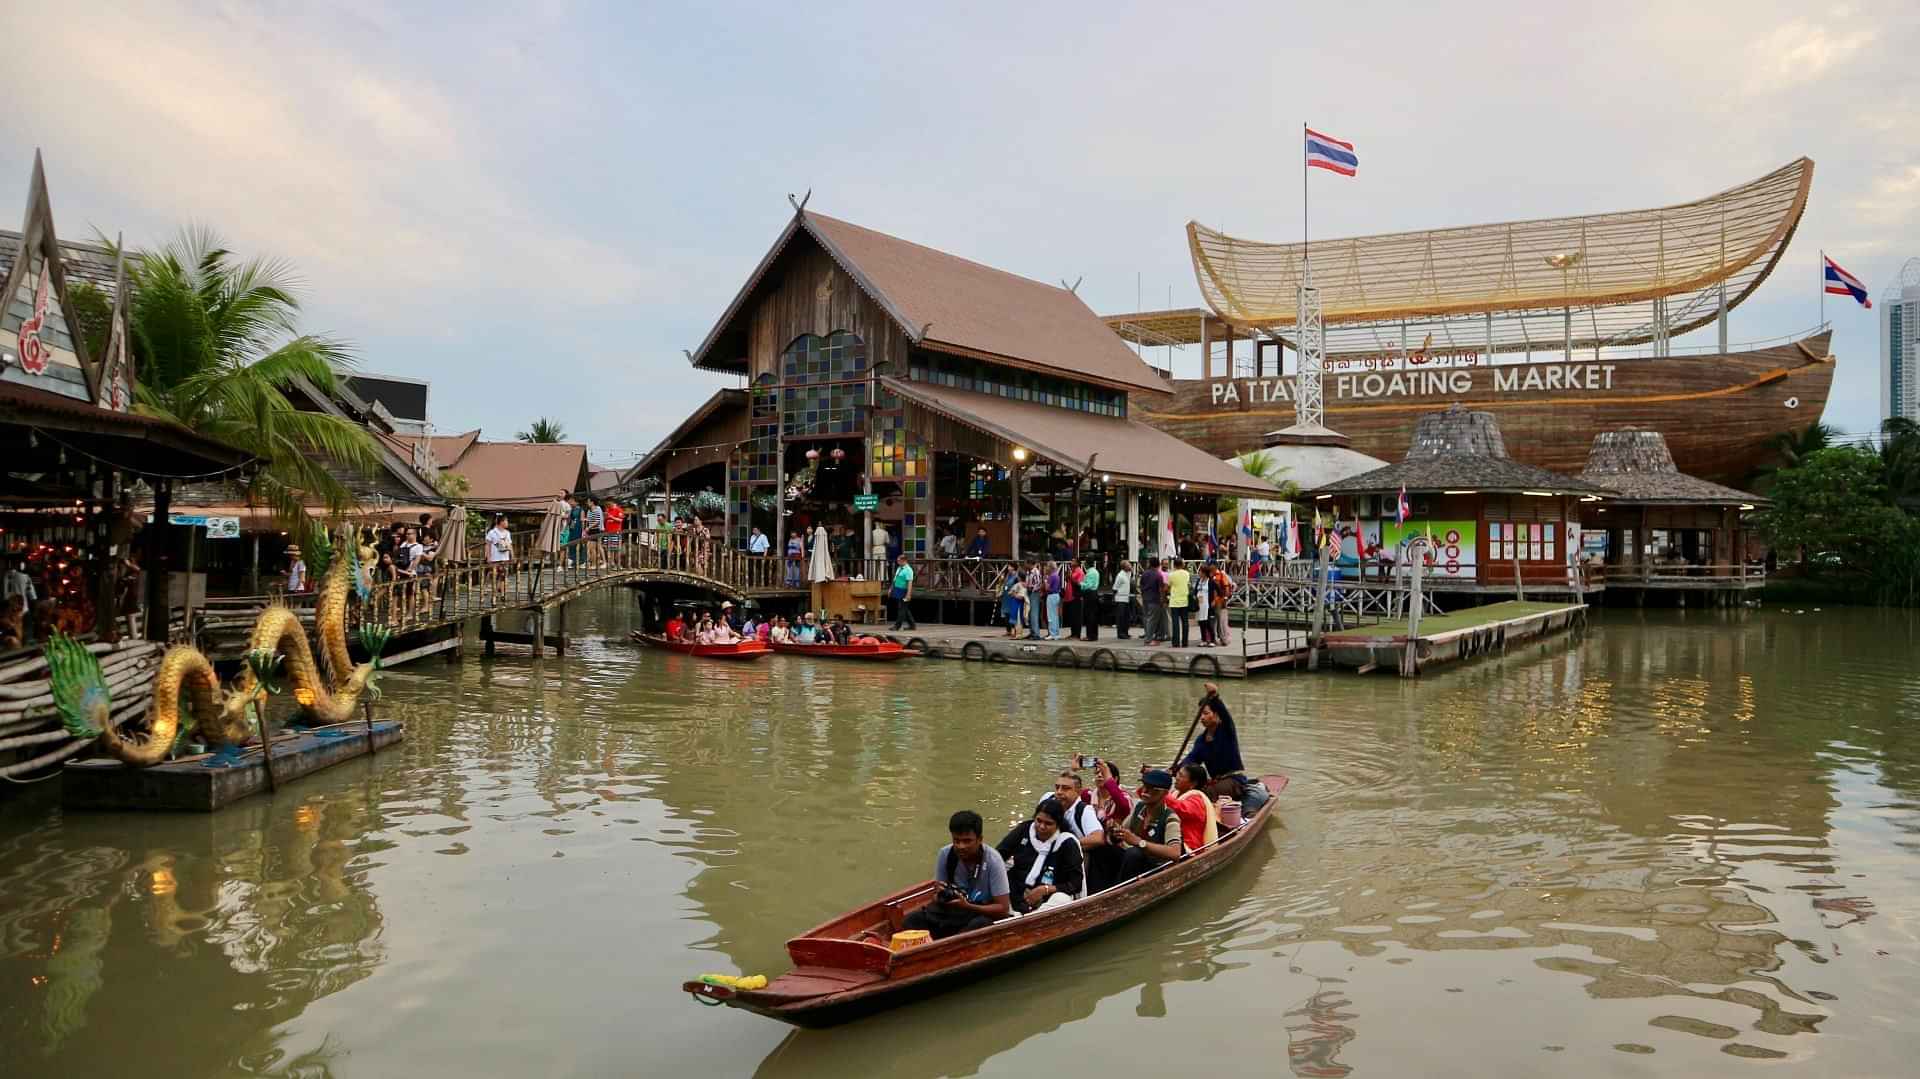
(1264, 466)
(218, 346)
(544, 430)
(1792, 448)
(1900, 461)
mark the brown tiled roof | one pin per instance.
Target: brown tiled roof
(520, 475)
(952, 304)
(1131, 452)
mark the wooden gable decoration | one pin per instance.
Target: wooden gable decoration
(37, 346)
(116, 367)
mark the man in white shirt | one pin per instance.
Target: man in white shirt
(757, 543)
(877, 545)
(499, 551)
(950, 545)
(296, 573)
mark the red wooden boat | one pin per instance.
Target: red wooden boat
(842, 972)
(881, 652)
(736, 650)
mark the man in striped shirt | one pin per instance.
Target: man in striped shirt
(596, 528)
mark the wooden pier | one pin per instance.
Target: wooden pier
(991, 645)
(1476, 631)
(203, 784)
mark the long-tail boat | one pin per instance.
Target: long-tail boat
(841, 973)
(876, 651)
(735, 650)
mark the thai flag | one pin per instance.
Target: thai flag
(1402, 511)
(1842, 283)
(1327, 152)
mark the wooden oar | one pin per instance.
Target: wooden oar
(1191, 727)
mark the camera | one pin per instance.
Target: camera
(951, 892)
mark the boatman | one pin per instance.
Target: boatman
(971, 879)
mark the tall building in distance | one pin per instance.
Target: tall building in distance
(1900, 345)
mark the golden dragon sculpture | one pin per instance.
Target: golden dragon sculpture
(277, 654)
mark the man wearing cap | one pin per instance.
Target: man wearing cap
(1151, 836)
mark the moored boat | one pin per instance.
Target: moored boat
(877, 651)
(736, 650)
(841, 972)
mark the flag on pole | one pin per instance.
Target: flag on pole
(1402, 511)
(1327, 152)
(1359, 539)
(1842, 283)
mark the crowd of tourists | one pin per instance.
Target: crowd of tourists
(1085, 838)
(1060, 600)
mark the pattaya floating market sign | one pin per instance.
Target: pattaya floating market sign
(1445, 382)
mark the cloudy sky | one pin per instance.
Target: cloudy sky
(539, 205)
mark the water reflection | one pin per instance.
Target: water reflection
(1689, 837)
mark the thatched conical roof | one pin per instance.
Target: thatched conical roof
(1638, 465)
(1457, 449)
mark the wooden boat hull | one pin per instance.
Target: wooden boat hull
(745, 650)
(838, 979)
(885, 652)
(1720, 413)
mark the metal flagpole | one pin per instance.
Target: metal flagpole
(1306, 271)
(1823, 288)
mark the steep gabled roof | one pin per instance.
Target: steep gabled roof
(951, 304)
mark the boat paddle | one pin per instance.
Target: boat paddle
(1213, 692)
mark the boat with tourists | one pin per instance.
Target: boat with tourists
(843, 971)
(870, 649)
(747, 650)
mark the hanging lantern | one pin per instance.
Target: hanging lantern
(839, 455)
(813, 455)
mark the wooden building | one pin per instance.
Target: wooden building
(1666, 530)
(75, 455)
(955, 395)
(1493, 519)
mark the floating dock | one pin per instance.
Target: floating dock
(990, 644)
(1445, 638)
(201, 784)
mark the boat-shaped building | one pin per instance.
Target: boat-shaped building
(1561, 326)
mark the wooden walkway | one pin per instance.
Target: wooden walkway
(990, 644)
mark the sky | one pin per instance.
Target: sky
(539, 206)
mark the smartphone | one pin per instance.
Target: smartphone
(1082, 761)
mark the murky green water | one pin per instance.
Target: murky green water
(1685, 845)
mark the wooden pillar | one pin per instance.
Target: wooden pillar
(1206, 351)
(156, 561)
(1132, 525)
(560, 645)
(1643, 540)
(537, 623)
(486, 633)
